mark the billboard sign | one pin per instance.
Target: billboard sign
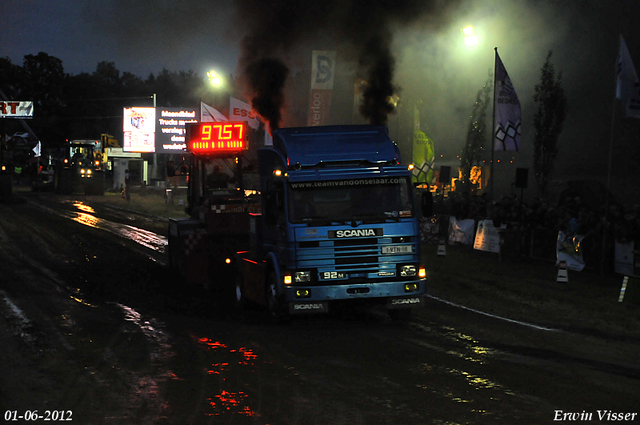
(323, 67)
(159, 130)
(16, 109)
(171, 131)
(139, 127)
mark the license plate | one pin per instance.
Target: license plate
(397, 249)
(332, 275)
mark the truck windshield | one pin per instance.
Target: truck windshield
(81, 151)
(373, 199)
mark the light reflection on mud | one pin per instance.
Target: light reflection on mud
(152, 329)
(229, 400)
(472, 350)
(463, 385)
(17, 320)
(81, 301)
(148, 389)
(84, 207)
(472, 381)
(84, 216)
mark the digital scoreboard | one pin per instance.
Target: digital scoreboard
(217, 137)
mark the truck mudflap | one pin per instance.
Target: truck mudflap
(414, 301)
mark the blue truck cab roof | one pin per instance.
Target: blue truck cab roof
(311, 146)
(346, 146)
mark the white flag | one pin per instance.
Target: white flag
(37, 150)
(627, 87)
(241, 111)
(210, 114)
(507, 111)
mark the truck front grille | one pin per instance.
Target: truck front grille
(357, 257)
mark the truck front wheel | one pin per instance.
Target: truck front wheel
(274, 303)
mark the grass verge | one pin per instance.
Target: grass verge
(527, 291)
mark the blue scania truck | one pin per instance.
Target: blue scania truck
(333, 220)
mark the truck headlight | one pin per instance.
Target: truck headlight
(408, 270)
(302, 276)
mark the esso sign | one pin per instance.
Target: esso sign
(241, 112)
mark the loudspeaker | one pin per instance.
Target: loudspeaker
(445, 174)
(521, 177)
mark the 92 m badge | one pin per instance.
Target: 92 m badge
(332, 275)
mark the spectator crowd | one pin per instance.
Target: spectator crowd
(540, 221)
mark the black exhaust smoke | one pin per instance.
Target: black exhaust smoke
(362, 28)
(378, 64)
(265, 80)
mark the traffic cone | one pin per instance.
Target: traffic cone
(563, 276)
(442, 250)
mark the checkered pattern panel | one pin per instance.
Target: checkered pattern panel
(192, 241)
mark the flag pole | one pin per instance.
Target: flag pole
(610, 160)
(613, 119)
(493, 124)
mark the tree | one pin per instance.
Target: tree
(10, 78)
(177, 88)
(476, 134)
(547, 122)
(42, 81)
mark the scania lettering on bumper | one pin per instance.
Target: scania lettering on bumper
(405, 302)
(308, 307)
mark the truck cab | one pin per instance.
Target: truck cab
(338, 223)
(81, 168)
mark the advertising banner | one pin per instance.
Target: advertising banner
(461, 231)
(625, 258)
(16, 109)
(323, 65)
(487, 237)
(241, 111)
(569, 250)
(171, 130)
(139, 127)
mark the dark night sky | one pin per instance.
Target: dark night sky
(144, 37)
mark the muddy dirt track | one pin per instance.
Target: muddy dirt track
(95, 329)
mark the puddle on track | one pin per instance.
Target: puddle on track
(85, 216)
